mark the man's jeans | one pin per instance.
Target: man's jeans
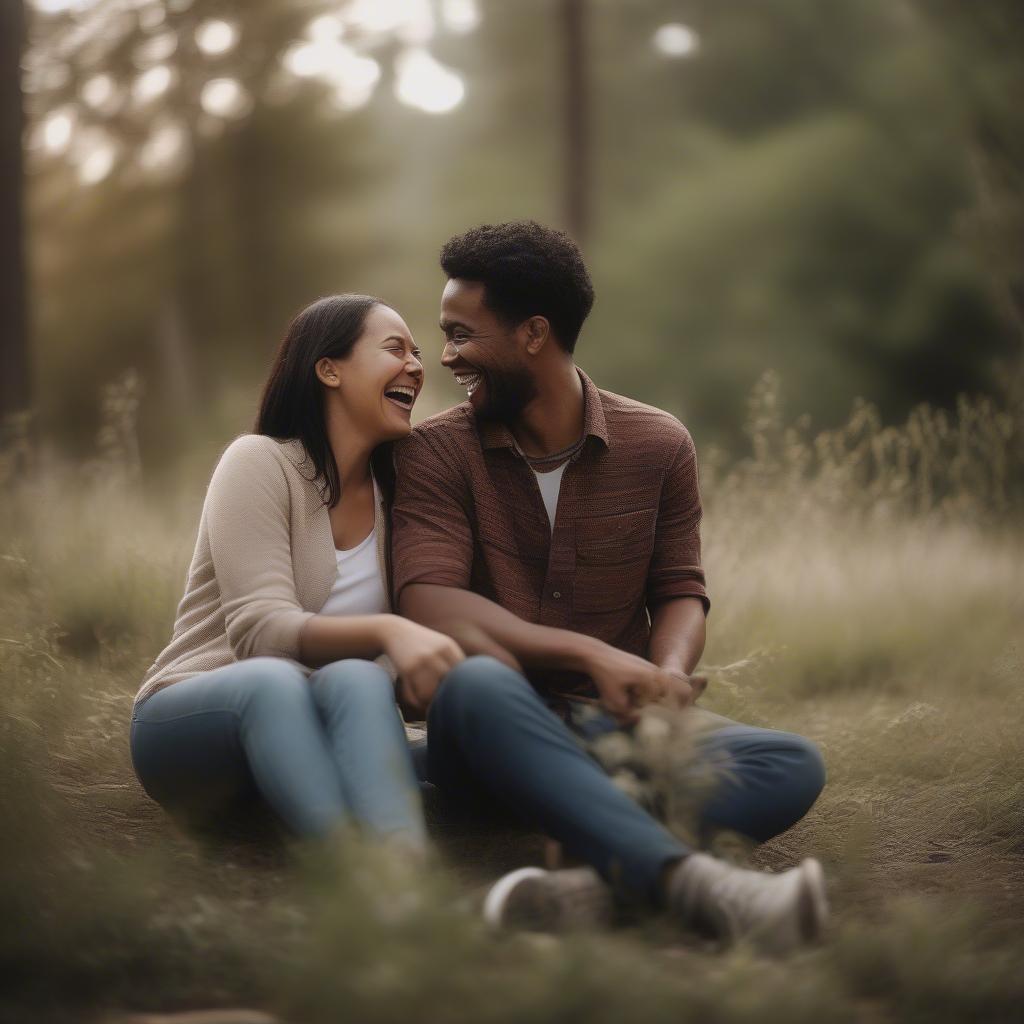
(492, 738)
(324, 751)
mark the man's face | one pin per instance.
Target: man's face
(484, 353)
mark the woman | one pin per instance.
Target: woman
(290, 571)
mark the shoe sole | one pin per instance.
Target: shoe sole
(813, 906)
(497, 897)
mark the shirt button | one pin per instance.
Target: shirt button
(556, 594)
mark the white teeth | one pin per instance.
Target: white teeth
(469, 381)
(405, 391)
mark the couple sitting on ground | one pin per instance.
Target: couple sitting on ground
(541, 546)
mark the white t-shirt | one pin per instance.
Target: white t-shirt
(358, 588)
(550, 485)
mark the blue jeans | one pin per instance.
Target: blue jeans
(491, 737)
(324, 751)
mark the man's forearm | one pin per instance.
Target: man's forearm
(678, 633)
(450, 610)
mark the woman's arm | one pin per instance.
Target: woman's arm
(246, 517)
(421, 656)
(327, 638)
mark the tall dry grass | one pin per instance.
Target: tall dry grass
(866, 588)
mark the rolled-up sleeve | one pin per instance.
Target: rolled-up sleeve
(431, 535)
(675, 569)
(247, 513)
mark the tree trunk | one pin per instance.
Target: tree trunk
(14, 364)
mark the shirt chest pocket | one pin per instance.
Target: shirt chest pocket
(626, 539)
(612, 557)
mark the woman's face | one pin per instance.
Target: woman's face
(378, 383)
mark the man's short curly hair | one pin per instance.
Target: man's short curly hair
(526, 270)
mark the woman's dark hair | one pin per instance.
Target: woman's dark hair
(292, 406)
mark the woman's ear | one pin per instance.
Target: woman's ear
(327, 372)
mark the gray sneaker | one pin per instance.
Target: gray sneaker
(775, 913)
(549, 901)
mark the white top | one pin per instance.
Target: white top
(550, 485)
(358, 588)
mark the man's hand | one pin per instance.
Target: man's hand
(626, 682)
(683, 689)
(422, 657)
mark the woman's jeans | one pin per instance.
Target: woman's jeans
(324, 751)
(492, 738)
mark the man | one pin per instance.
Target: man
(555, 526)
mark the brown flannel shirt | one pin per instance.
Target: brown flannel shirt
(468, 513)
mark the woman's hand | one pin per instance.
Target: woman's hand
(422, 657)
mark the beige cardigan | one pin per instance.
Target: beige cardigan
(264, 563)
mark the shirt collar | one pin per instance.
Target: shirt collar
(497, 435)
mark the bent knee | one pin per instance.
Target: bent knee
(481, 680)
(807, 768)
(482, 672)
(274, 680)
(352, 679)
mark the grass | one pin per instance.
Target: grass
(866, 593)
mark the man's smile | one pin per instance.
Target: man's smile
(468, 379)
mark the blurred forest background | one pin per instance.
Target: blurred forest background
(829, 191)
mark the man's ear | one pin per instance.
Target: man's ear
(537, 331)
(327, 372)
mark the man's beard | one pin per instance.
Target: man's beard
(506, 395)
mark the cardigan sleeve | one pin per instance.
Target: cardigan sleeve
(248, 524)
